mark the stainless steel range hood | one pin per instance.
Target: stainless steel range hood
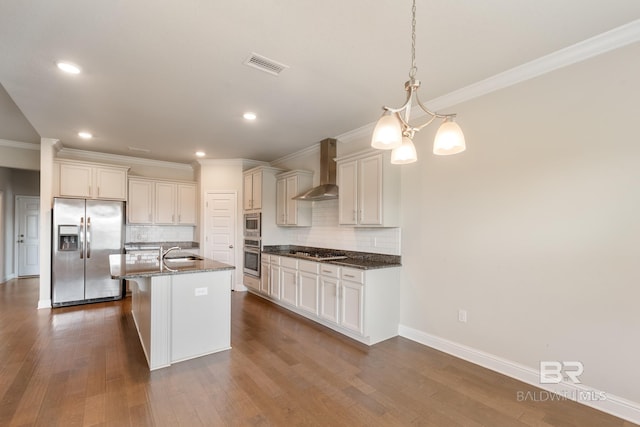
(327, 190)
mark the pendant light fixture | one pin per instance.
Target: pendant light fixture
(393, 131)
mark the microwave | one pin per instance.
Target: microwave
(252, 224)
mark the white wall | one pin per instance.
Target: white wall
(19, 155)
(534, 229)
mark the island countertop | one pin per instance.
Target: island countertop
(129, 266)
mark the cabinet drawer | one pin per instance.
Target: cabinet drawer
(352, 275)
(289, 262)
(329, 270)
(274, 259)
(308, 266)
(264, 258)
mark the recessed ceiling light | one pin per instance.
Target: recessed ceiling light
(249, 116)
(200, 153)
(68, 67)
(85, 135)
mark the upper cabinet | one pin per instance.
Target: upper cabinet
(369, 190)
(140, 202)
(252, 199)
(292, 212)
(161, 202)
(91, 180)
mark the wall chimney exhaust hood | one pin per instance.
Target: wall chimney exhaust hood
(327, 190)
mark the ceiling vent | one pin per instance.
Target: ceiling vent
(264, 64)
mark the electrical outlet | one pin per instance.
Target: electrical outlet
(462, 315)
(201, 291)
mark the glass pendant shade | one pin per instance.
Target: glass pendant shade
(449, 139)
(388, 132)
(404, 154)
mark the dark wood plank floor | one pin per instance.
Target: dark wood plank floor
(84, 366)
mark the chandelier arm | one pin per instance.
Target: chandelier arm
(419, 128)
(431, 113)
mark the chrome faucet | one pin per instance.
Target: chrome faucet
(162, 253)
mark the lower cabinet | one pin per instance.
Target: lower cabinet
(362, 304)
(289, 280)
(308, 287)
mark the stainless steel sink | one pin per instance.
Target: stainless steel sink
(183, 258)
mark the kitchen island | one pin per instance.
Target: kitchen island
(181, 306)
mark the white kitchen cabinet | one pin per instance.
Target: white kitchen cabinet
(308, 287)
(351, 296)
(161, 202)
(91, 180)
(252, 198)
(140, 201)
(362, 304)
(369, 190)
(165, 203)
(292, 212)
(274, 278)
(289, 280)
(187, 204)
(265, 273)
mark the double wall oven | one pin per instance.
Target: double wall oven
(252, 244)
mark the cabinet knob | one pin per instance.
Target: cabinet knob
(230, 246)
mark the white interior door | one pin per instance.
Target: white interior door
(220, 228)
(28, 230)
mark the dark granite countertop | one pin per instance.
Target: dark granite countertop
(129, 266)
(136, 246)
(360, 260)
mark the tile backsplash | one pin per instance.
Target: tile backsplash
(326, 233)
(159, 233)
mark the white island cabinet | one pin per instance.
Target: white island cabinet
(181, 309)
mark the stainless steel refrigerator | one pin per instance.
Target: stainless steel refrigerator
(85, 233)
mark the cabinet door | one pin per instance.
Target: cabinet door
(76, 180)
(274, 288)
(281, 202)
(187, 206)
(370, 191)
(265, 276)
(165, 203)
(111, 184)
(289, 286)
(257, 191)
(351, 306)
(347, 202)
(292, 205)
(308, 292)
(140, 202)
(247, 196)
(329, 298)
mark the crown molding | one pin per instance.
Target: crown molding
(19, 144)
(222, 162)
(95, 156)
(315, 148)
(594, 46)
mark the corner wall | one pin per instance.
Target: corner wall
(534, 229)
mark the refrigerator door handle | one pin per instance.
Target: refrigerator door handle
(88, 237)
(81, 237)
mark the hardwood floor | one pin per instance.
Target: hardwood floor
(85, 366)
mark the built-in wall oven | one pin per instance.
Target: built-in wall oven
(251, 253)
(252, 225)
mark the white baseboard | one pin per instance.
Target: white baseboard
(603, 401)
(239, 287)
(44, 303)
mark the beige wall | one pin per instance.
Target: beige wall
(534, 229)
(22, 158)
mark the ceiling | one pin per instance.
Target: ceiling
(168, 76)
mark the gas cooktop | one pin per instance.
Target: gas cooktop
(319, 255)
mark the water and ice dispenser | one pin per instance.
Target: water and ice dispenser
(68, 237)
